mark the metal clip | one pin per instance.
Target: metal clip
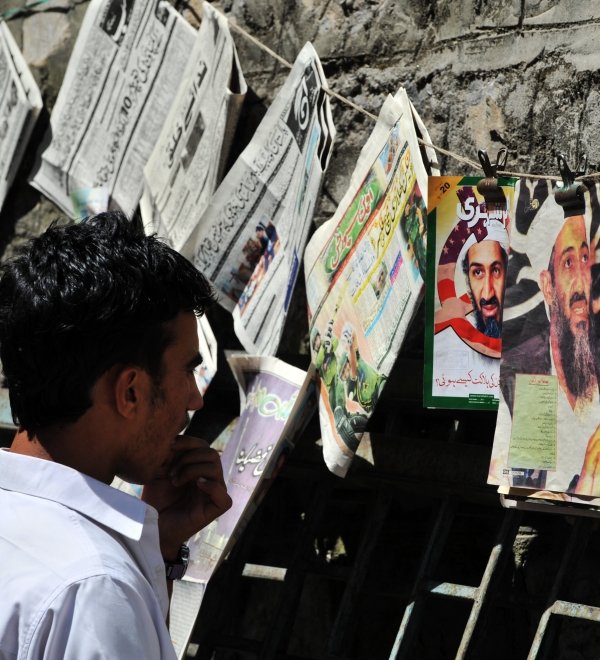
(488, 187)
(570, 196)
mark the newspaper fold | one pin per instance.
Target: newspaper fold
(121, 78)
(364, 272)
(187, 162)
(547, 433)
(251, 238)
(467, 250)
(20, 105)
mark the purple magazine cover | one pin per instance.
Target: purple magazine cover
(250, 455)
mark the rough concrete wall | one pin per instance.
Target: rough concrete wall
(482, 74)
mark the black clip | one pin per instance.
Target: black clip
(569, 177)
(488, 187)
(571, 195)
(490, 169)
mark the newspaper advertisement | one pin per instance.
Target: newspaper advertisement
(364, 272)
(547, 431)
(467, 250)
(120, 82)
(190, 154)
(20, 105)
(251, 238)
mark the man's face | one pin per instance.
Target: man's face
(567, 292)
(486, 277)
(572, 275)
(170, 401)
(317, 343)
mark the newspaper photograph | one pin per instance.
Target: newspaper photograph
(187, 162)
(20, 106)
(120, 82)
(251, 238)
(467, 250)
(547, 431)
(275, 401)
(364, 272)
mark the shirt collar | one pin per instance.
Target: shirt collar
(94, 499)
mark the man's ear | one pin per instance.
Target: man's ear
(128, 386)
(546, 286)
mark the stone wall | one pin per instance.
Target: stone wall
(482, 74)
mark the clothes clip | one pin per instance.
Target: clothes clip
(488, 187)
(571, 195)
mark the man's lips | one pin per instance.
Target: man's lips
(489, 309)
(579, 305)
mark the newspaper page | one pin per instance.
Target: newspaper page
(121, 79)
(188, 159)
(547, 431)
(364, 272)
(467, 250)
(20, 105)
(250, 240)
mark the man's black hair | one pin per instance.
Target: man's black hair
(80, 299)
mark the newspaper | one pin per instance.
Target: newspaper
(547, 431)
(121, 79)
(189, 157)
(364, 272)
(467, 250)
(20, 105)
(250, 239)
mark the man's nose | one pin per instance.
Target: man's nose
(582, 277)
(196, 399)
(488, 287)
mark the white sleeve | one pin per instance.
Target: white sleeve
(100, 618)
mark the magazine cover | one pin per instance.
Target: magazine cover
(467, 252)
(547, 436)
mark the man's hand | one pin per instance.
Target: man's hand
(188, 494)
(589, 479)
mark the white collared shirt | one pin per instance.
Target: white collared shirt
(81, 572)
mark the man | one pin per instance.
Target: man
(98, 343)
(484, 266)
(558, 248)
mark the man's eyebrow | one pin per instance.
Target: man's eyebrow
(195, 361)
(570, 248)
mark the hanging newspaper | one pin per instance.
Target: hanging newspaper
(364, 273)
(121, 79)
(251, 238)
(276, 401)
(20, 105)
(189, 157)
(547, 434)
(467, 250)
